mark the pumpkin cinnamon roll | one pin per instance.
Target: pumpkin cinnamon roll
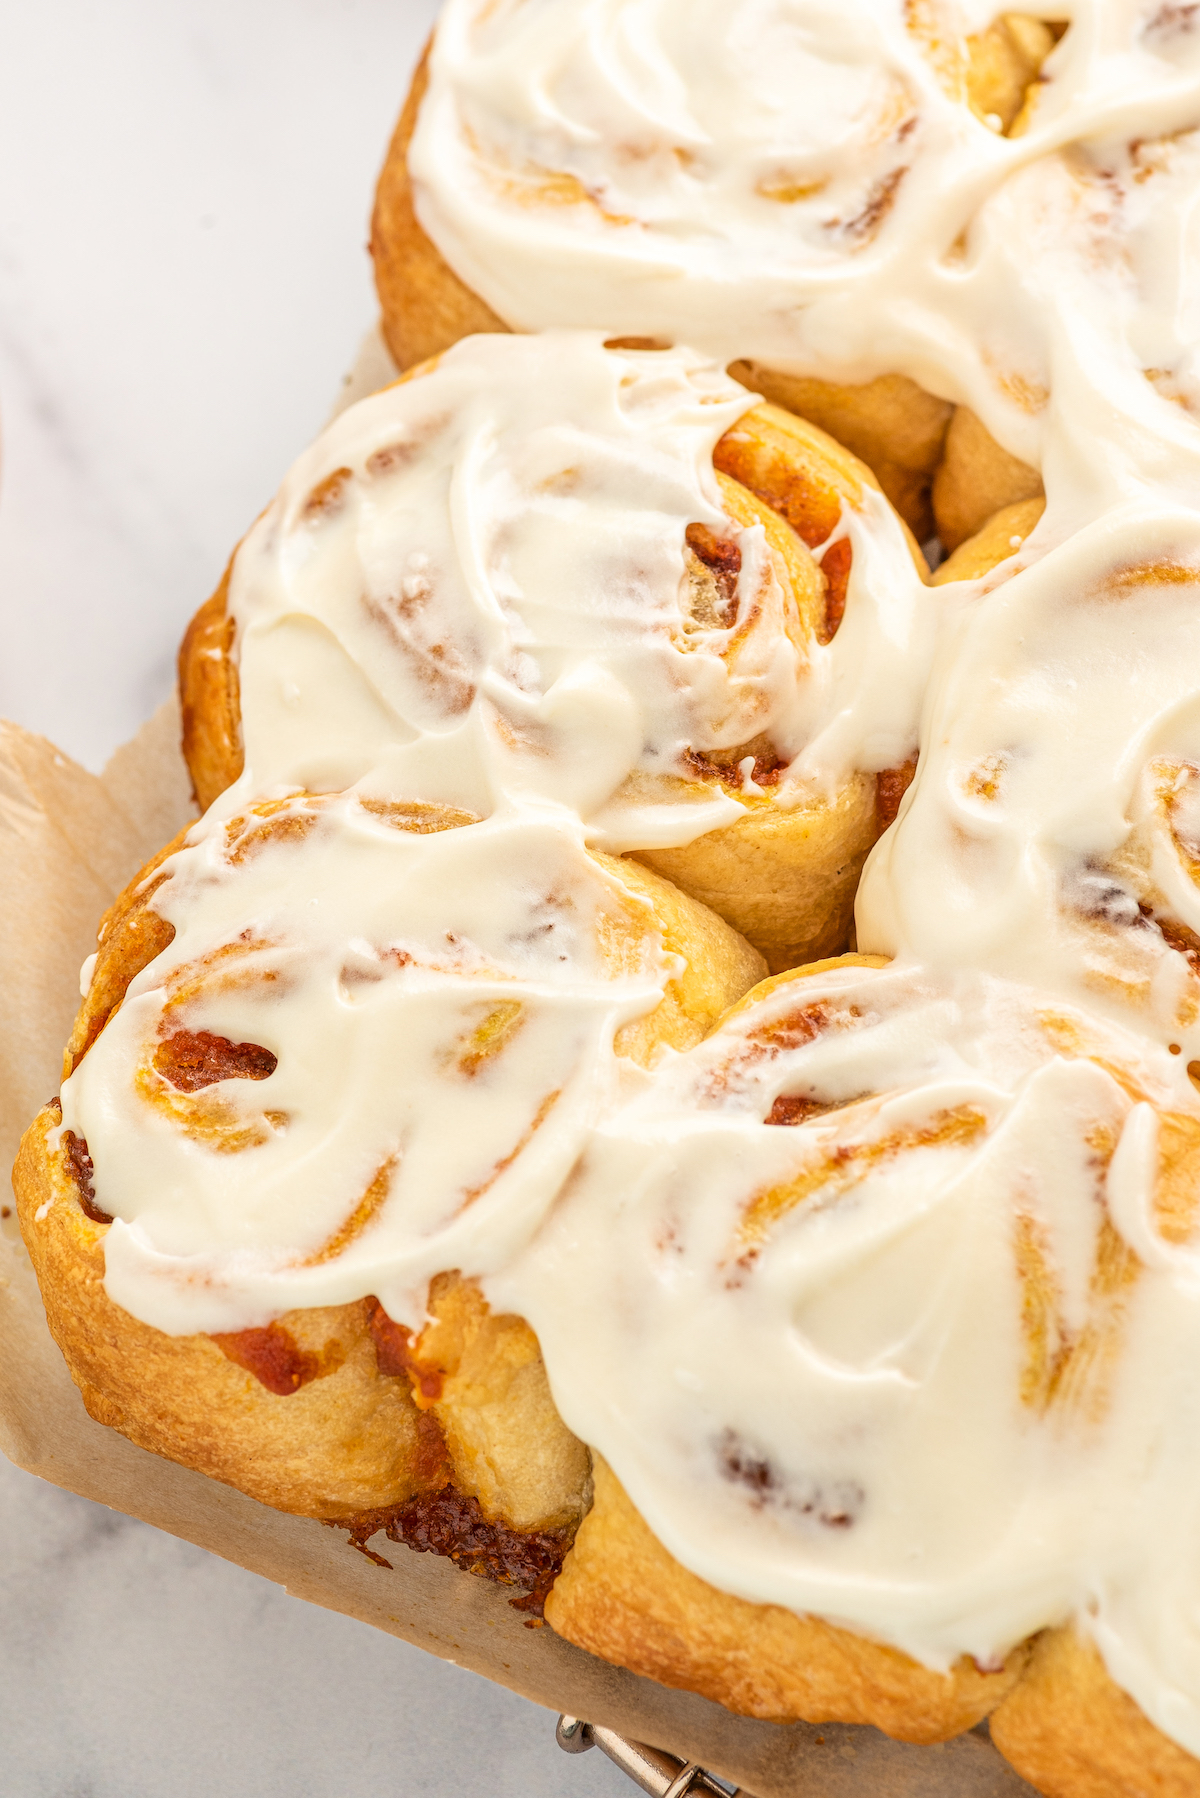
(334, 1061)
(563, 166)
(546, 570)
(878, 1311)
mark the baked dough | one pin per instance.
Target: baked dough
(309, 1414)
(995, 542)
(330, 1437)
(1068, 1728)
(784, 873)
(975, 479)
(1055, 1711)
(892, 424)
(622, 1596)
(896, 427)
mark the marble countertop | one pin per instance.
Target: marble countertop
(184, 192)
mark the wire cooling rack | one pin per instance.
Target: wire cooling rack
(655, 1771)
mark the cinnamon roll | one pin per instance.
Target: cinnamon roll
(328, 1035)
(606, 577)
(551, 167)
(899, 1373)
(410, 1169)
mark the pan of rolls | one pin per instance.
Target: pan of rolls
(668, 1070)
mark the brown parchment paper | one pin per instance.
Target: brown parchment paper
(69, 840)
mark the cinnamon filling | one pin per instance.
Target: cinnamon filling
(191, 1059)
(82, 1172)
(327, 496)
(890, 788)
(394, 1355)
(723, 559)
(768, 770)
(276, 1359)
(1176, 936)
(451, 1523)
(777, 1036)
(794, 1108)
(836, 1505)
(812, 509)
(835, 566)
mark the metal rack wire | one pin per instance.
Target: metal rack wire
(655, 1771)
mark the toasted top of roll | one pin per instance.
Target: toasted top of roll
(717, 173)
(991, 206)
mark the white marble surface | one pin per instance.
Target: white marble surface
(184, 191)
(136, 1666)
(184, 196)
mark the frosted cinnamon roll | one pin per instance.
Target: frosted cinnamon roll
(879, 1311)
(608, 580)
(334, 1060)
(1058, 792)
(577, 165)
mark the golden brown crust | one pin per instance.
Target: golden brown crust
(1003, 66)
(719, 965)
(891, 424)
(346, 1434)
(1001, 537)
(483, 1378)
(807, 587)
(785, 873)
(789, 975)
(208, 698)
(801, 471)
(425, 307)
(1072, 1732)
(623, 1597)
(975, 478)
(344, 1440)
(785, 877)
(131, 934)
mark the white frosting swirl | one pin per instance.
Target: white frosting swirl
(817, 1373)
(469, 592)
(792, 180)
(835, 208)
(441, 1007)
(473, 586)
(1058, 710)
(921, 1363)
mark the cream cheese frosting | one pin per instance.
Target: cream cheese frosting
(795, 181)
(472, 589)
(440, 1008)
(921, 1363)
(1053, 838)
(809, 1352)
